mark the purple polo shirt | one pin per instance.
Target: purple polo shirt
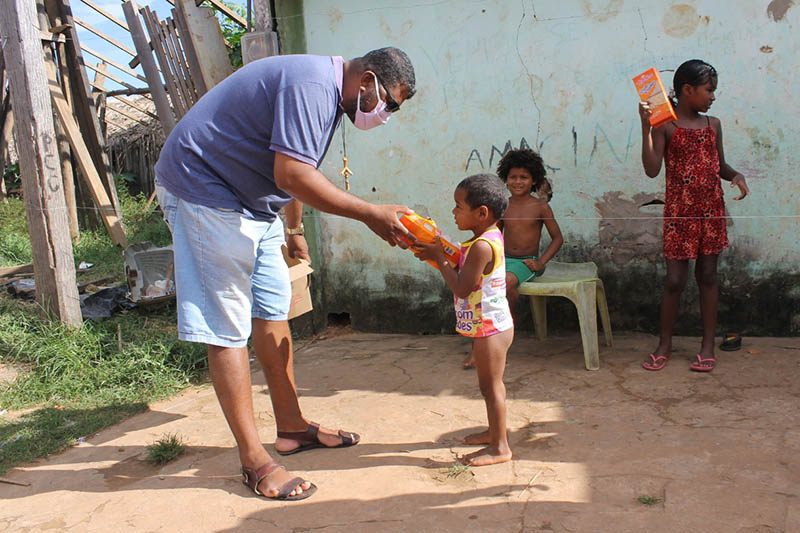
(222, 152)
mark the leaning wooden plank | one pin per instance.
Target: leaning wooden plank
(104, 36)
(16, 269)
(84, 108)
(176, 57)
(67, 170)
(158, 40)
(159, 94)
(162, 41)
(133, 63)
(207, 41)
(106, 14)
(182, 58)
(88, 171)
(151, 22)
(195, 71)
(46, 211)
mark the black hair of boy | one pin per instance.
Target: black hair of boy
(525, 158)
(488, 190)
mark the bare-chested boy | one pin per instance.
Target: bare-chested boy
(524, 174)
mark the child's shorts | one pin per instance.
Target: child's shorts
(516, 266)
(229, 269)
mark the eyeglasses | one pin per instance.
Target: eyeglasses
(391, 105)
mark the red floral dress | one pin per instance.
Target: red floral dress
(694, 211)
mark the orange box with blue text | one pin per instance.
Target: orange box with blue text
(651, 90)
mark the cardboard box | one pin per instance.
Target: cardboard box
(651, 90)
(300, 276)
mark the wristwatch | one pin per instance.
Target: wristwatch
(296, 231)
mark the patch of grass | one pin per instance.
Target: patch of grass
(165, 449)
(648, 500)
(142, 223)
(85, 368)
(15, 244)
(457, 469)
(52, 429)
(79, 380)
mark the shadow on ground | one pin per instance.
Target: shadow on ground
(706, 452)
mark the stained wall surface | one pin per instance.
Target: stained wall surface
(556, 77)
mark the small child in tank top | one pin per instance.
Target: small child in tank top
(482, 313)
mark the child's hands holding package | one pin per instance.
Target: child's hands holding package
(429, 251)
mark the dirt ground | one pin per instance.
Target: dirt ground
(709, 452)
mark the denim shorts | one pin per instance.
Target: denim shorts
(229, 269)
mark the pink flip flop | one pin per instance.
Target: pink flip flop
(701, 365)
(656, 362)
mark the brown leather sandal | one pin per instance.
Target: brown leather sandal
(309, 439)
(253, 476)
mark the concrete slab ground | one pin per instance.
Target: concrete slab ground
(715, 452)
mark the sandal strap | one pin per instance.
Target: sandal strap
(307, 436)
(254, 476)
(348, 439)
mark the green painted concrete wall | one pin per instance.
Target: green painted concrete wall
(556, 76)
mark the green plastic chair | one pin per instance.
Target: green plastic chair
(579, 283)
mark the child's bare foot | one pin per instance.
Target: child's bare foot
(468, 363)
(477, 438)
(487, 456)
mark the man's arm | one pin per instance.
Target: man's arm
(308, 185)
(295, 242)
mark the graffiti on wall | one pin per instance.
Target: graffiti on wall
(619, 149)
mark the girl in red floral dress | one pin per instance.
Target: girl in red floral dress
(694, 211)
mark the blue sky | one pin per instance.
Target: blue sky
(101, 46)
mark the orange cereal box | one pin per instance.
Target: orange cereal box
(425, 230)
(651, 90)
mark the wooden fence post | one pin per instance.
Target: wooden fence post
(54, 269)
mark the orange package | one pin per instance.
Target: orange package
(651, 90)
(425, 230)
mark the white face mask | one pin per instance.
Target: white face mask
(377, 117)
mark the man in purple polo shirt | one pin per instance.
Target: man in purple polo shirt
(249, 147)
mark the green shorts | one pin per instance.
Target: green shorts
(516, 266)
